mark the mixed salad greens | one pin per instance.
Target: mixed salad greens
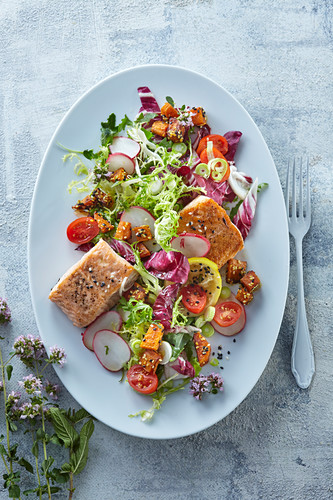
(139, 185)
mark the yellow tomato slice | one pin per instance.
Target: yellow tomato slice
(205, 273)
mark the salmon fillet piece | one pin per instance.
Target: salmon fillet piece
(91, 286)
(205, 217)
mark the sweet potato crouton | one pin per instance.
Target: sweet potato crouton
(84, 205)
(244, 296)
(137, 292)
(101, 198)
(168, 111)
(198, 116)
(150, 360)
(251, 281)
(103, 224)
(153, 337)
(176, 131)
(235, 270)
(202, 347)
(143, 233)
(118, 175)
(160, 128)
(124, 231)
(143, 250)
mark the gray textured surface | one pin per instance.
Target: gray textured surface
(276, 58)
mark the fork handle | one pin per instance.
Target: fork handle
(302, 358)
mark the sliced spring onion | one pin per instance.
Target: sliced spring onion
(214, 362)
(219, 164)
(225, 292)
(216, 176)
(209, 313)
(200, 321)
(135, 346)
(210, 154)
(203, 170)
(155, 187)
(179, 147)
(207, 330)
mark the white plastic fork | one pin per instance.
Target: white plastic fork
(302, 358)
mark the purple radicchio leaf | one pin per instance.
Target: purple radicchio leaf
(170, 266)
(148, 101)
(217, 191)
(123, 249)
(184, 367)
(233, 139)
(201, 132)
(244, 216)
(163, 306)
(85, 247)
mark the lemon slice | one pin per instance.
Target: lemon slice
(205, 273)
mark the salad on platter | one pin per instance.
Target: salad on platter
(166, 215)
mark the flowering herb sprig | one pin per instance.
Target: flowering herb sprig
(32, 410)
(210, 384)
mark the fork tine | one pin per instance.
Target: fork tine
(286, 193)
(293, 200)
(300, 202)
(308, 197)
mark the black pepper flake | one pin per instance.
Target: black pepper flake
(234, 340)
(221, 367)
(219, 355)
(102, 284)
(219, 347)
(228, 352)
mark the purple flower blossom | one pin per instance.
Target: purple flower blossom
(206, 383)
(5, 314)
(57, 355)
(29, 410)
(51, 389)
(29, 348)
(12, 407)
(31, 385)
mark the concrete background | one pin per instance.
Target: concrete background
(276, 59)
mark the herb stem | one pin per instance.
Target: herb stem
(37, 468)
(6, 418)
(71, 486)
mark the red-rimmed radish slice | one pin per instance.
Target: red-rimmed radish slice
(111, 350)
(191, 245)
(110, 320)
(126, 146)
(233, 328)
(120, 160)
(139, 216)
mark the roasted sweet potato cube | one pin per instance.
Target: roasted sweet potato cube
(103, 224)
(168, 111)
(143, 233)
(124, 231)
(251, 281)
(150, 360)
(143, 250)
(137, 292)
(235, 270)
(198, 116)
(244, 296)
(102, 198)
(118, 175)
(176, 130)
(84, 205)
(160, 128)
(202, 347)
(153, 337)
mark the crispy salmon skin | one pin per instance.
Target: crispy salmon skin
(91, 286)
(205, 217)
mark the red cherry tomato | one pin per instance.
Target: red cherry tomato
(227, 313)
(194, 298)
(82, 230)
(204, 155)
(141, 380)
(219, 142)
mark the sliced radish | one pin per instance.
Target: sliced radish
(191, 245)
(110, 320)
(111, 350)
(138, 216)
(237, 327)
(165, 350)
(126, 146)
(120, 160)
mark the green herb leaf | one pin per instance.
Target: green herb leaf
(178, 341)
(145, 118)
(14, 491)
(34, 449)
(262, 186)
(170, 101)
(79, 415)
(79, 458)
(109, 128)
(9, 370)
(234, 209)
(27, 465)
(63, 428)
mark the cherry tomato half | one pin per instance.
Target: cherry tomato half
(204, 155)
(194, 298)
(141, 380)
(82, 230)
(219, 142)
(227, 313)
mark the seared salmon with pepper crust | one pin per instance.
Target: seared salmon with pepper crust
(92, 285)
(205, 217)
